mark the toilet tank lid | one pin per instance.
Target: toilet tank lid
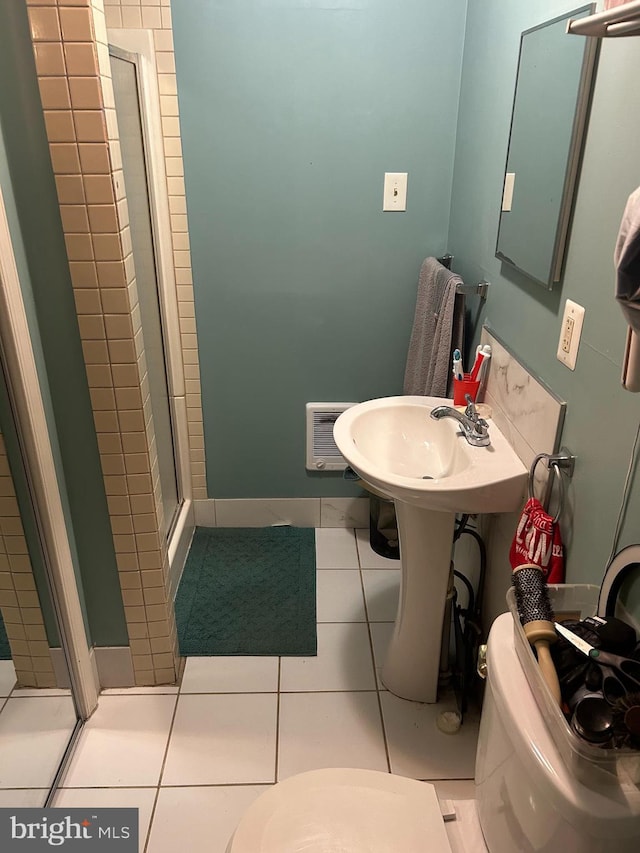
(523, 720)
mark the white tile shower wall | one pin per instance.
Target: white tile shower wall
(155, 15)
(531, 418)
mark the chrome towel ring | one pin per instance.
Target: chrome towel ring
(564, 461)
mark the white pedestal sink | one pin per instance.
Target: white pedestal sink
(431, 472)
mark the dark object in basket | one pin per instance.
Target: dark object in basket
(626, 722)
(615, 635)
(605, 709)
(593, 719)
(571, 665)
(606, 633)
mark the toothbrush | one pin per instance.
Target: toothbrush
(480, 360)
(484, 368)
(482, 354)
(457, 364)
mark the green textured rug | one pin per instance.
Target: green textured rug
(5, 651)
(248, 591)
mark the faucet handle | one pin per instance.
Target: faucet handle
(481, 427)
(470, 412)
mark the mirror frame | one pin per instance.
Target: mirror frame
(575, 152)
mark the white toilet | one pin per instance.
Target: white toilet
(526, 798)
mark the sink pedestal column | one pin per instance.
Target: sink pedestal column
(413, 659)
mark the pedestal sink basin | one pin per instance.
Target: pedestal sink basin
(431, 472)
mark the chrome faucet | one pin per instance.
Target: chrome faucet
(474, 428)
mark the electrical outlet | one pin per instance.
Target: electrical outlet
(570, 332)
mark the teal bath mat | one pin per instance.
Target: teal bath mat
(5, 651)
(248, 591)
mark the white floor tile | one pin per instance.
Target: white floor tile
(343, 662)
(455, 789)
(417, 748)
(24, 798)
(112, 798)
(381, 591)
(369, 559)
(7, 677)
(381, 633)
(34, 733)
(230, 674)
(199, 820)
(123, 743)
(339, 596)
(222, 739)
(330, 730)
(336, 548)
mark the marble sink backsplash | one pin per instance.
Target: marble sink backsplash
(524, 409)
(531, 417)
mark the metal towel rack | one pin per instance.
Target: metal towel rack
(618, 22)
(564, 461)
(480, 289)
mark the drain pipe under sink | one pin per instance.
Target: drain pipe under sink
(444, 676)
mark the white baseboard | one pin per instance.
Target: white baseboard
(113, 666)
(265, 512)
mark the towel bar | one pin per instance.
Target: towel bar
(480, 289)
(562, 461)
(621, 20)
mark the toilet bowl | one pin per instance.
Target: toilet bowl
(526, 797)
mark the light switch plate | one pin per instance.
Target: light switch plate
(570, 332)
(395, 191)
(507, 195)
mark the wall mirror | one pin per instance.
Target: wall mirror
(548, 125)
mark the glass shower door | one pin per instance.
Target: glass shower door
(132, 144)
(38, 714)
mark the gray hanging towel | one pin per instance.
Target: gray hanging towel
(626, 258)
(437, 330)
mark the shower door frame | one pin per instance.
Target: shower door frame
(137, 46)
(31, 422)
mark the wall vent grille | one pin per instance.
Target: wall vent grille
(322, 451)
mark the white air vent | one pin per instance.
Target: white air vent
(322, 452)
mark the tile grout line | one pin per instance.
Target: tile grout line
(275, 769)
(373, 661)
(164, 761)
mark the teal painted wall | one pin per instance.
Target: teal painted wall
(305, 290)
(602, 419)
(29, 191)
(291, 111)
